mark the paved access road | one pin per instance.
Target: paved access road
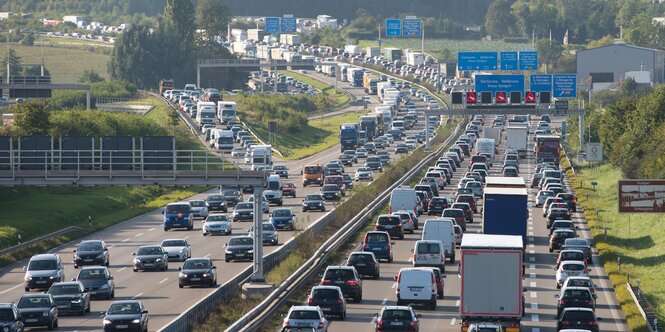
(539, 282)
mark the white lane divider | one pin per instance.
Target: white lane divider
(457, 303)
(10, 289)
(384, 301)
(121, 269)
(534, 306)
(535, 318)
(532, 284)
(533, 295)
(394, 285)
(535, 329)
(531, 245)
(137, 296)
(186, 237)
(532, 251)
(530, 233)
(532, 259)
(138, 235)
(532, 275)
(125, 240)
(163, 280)
(206, 256)
(452, 321)
(152, 229)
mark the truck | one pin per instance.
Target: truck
(260, 156)
(206, 112)
(352, 49)
(328, 69)
(414, 59)
(381, 88)
(223, 140)
(343, 71)
(369, 83)
(491, 274)
(386, 114)
(486, 145)
(369, 123)
(227, 111)
(289, 39)
(547, 148)
(349, 136)
(492, 132)
(392, 53)
(505, 211)
(504, 182)
(355, 76)
(372, 51)
(165, 84)
(517, 139)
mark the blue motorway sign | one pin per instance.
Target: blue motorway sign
(564, 86)
(477, 61)
(272, 24)
(509, 61)
(393, 28)
(288, 25)
(540, 82)
(505, 83)
(528, 60)
(411, 27)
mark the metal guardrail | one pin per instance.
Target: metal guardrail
(253, 320)
(645, 308)
(35, 241)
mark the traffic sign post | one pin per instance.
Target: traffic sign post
(564, 85)
(272, 25)
(477, 61)
(509, 61)
(411, 27)
(393, 28)
(288, 24)
(528, 60)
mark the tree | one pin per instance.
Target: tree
(174, 119)
(549, 52)
(32, 117)
(28, 39)
(90, 76)
(15, 63)
(213, 18)
(179, 14)
(498, 20)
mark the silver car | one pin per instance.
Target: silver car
(177, 249)
(269, 234)
(199, 208)
(306, 316)
(569, 269)
(216, 224)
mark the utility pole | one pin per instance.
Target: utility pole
(422, 42)
(379, 38)
(8, 65)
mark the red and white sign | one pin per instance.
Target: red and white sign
(642, 196)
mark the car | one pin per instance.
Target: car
(91, 252)
(216, 202)
(150, 257)
(579, 244)
(548, 203)
(437, 204)
(468, 198)
(177, 249)
(361, 153)
(570, 255)
(558, 237)
(283, 218)
(268, 234)
(331, 192)
(557, 214)
(428, 253)
(563, 224)
(347, 180)
(178, 215)
(289, 189)
(97, 281)
(374, 163)
(281, 170)
(535, 179)
(383, 157)
(243, 211)
(239, 248)
(416, 286)
(378, 243)
(365, 263)
(542, 196)
(397, 318)
(347, 160)
(197, 272)
(313, 202)
(510, 171)
(401, 148)
(458, 215)
(581, 281)
(468, 212)
(569, 269)
(459, 233)
(346, 278)
(70, 297)
(330, 299)
(35, 310)
(238, 153)
(199, 208)
(217, 223)
(10, 317)
(364, 173)
(42, 271)
(127, 315)
(232, 196)
(569, 199)
(391, 224)
(300, 316)
(577, 319)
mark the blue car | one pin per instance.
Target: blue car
(178, 215)
(283, 219)
(378, 242)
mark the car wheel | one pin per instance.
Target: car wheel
(390, 260)
(82, 312)
(88, 309)
(27, 289)
(112, 295)
(227, 260)
(440, 295)
(135, 269)
(377, 275)
(166, 229)
(205, 234)
(108, 263)
(551, 250)
(442, 268)
(51, 325)
(342, 316)
(180, 285)
(452, 259)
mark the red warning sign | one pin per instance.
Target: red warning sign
(500, 97)
(471, 97)
(530, 97)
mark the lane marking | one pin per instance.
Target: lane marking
(452, 321)
(531, 239)
(125, 240)
(121, 269)
(534, 306)
(137, 295)
(532, 251)
(532, 275)
(139, 234)
(531, 245)
(533, 284)
(535, 318)
(384, 301)
(164, 280)
(530, 233)
(186, 237)
(535, 329)
(10, 289)
(394, 285)
(152, 229)
(457, 303)
(533, 295)
(206, 256)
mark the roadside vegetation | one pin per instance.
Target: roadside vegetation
(341, 99)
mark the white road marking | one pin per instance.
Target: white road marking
(457, 303)
(186, 237)
(532, 284)
(533, 295)
(10, 289)
(535, 329)
(535, 318)
(532, 251)
(530, 218)
(394, 285)
(530, 233)
(164, 280)
(152, 229)
(452, 321)
(532, 275)
(139, 234)
(372, 321)
(206, 256)
(531, 245)
(125, 240)
(531, 239)
(137, 295)
(532, 259)
(384, 301)
(121, 269)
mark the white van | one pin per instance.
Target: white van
(403, 198)
(417, 286)
(273, 190)
(223, 139)
(441, 230)
(429, 253)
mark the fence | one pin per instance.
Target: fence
(36, 241)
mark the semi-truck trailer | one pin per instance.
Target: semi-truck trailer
(369, 83)
(492, 272)
(348, 136)
(355, 76)
(368, 123)
(516, 139)
(505, 211)
(547, 148)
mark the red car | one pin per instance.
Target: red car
(289, 189)
(468, 198)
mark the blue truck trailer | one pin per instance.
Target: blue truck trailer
(505, 211)
(349, 135)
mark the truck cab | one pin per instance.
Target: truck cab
(260, 156)
(312, 174)
(273, 192)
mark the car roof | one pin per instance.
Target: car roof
(326, 287)
(396, 307)
(575, 288)
(304, 307)
(340, 267)
(44, 257)
(571, 250)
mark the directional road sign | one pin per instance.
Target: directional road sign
(288, 24)
(272, 24)
(564, 86)
(477, 61)
(540, 82)
(496, 83)
(411, 27)
(393, 28)
(528, 60)
(509, 61)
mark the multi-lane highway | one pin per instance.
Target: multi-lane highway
(159, 290)
(539, 281)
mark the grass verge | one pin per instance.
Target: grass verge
(637, 239)
(341, 99)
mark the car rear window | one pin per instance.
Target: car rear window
(572, 256)
(453, 213)
(578, 316)
(392, 220)
(304, 314)
(577, 293)
(377, 238)
(339, 274)
(579, 283)
(325, 293)
(573, 267)
(361, 258)
(428, 248)
(396, 315)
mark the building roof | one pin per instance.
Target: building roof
(621, 44)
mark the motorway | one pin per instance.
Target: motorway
(539, 281)
(158, 290)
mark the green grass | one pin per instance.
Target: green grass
(317, 136)
(436, 47)
(66, 64)
(341, 99)
(70, 41)
(638, 239)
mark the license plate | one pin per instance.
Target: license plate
(31, 320)
(121, 326)
(41, 281)
(361, 264)
(62, 306)
(396, 323)
(340, 282)
(87, 260)
(326, 309)
(415, 289)
(388, 226)
(148, 265)
(376, 249)
(195, 279)
(240, 255)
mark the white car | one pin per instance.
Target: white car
(177, 249)
(364, 173)
(411, 143)
(216, 224)
(390, 138)
(569, 269)
(238, 153)
(306, 316)
(476, 187)
(542, 196)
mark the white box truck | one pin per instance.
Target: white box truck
(223, 140)
(492, 274)
(492, 132)
(516, 139)
(227, 111)
(485, 145)
(206, 113)
(260, 156)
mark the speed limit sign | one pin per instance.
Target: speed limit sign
(594, 152)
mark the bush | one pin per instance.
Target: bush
(106, 89)
(289, 112)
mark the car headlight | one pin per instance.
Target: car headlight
(158, 260)
(52, 277)
(182, 250)
(104, 286)
(136, 260)
(136, 321)
(107, 322)
(76, 301)
(28, 278)
(101, 255)
(183, 275)
(250, 251)
(45, 314)
(205, 275)
(227, 251)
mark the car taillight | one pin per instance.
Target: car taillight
(325, 282)
(340, 301)
(352, 283)
(365, 247)
(390, 209)
(399, 226)
(414, 323)
(440, 179)
(321, 325)
(590, 302)
(379, 323)
(310, 301)
(286, 324)
(408, 221)
(593, 323)
(565, 323)
(562, 301)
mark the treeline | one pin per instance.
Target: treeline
(289, 112)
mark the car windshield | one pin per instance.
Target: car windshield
(241, 242)
(90, 246)
(43, 265)
(377, 238)
(279, 168)
(244, 206)
(215, 198)
(329, 187)
(268, 227)
(124, 309)
(231, 193)
(144, 251)
(196, 264)
(178, 208)
(304, 314)
(34, 302)
(313, 198)
(312, 170)
(396, 314)
(217, 217)
(573, 267)
(281, 213)
(64, 289)
(92, 274)
(325, 293)
(174, 243)
(6, 315)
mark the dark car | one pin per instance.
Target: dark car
(128, 315)
(331, 192)
(570, 255)
(10, 318)
(91, 252)
(557, 214)
(347, 160)
(562, 224)
(150, 258)
(468, 198)
(374, 163)
(365, 263)
(579, 244)
(437, 205)
(569, 199)
(97, 281)
(401, 148)
(330, 299)
(428, 187)
(346, 278)
(558, 237)
(289, 189)
(396, 318)
(283, 218)
(239, 248)
(197, 272)
(217, 202)
(379, 244)
(468, 212)
(391, 224)
(457, 214)
(232, 196)
(333, 169)
(347, 179)
(70, 297)
(38, 310)
(314, 202)
(281, 170)
(577, 318)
